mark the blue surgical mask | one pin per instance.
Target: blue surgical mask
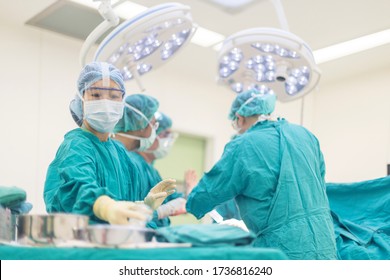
(102, 115)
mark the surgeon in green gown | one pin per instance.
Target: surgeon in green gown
(138, 132)
(174, 204)
(275, 172)
(92, 174)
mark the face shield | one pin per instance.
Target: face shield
(165, 139)
(102, 104)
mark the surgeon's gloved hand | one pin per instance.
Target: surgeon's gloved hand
(159, 192)
(119, 212)
(235, 223)
(172, 208)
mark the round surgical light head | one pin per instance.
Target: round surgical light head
(268, 59)
(147, 40)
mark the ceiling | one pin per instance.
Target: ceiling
(320, 23)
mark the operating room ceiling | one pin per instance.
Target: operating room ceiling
(320, 23)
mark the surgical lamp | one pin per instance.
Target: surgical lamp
(269, 60)
(147, 40)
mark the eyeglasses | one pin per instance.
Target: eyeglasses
(168, 134)
(105, 93)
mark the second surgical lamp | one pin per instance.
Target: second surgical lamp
(269, 60)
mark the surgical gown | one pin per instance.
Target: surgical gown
(85, 168)
(229, 210)
(149, 177)
(275, 171)
(361, 215)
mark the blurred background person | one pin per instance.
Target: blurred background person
(275, 172)
(139, 130)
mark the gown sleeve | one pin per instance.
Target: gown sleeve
(222, 183)
(71, 183)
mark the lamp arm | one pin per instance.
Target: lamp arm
(92, 38)
(108, 13)
(110, 20)
(280, 12)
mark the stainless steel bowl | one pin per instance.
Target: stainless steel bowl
(7, 225)
(116, 235)
(50, 229)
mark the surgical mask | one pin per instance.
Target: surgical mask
(160, 152)
(102, 115)
(144, 142)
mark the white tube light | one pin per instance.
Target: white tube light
(353, 46)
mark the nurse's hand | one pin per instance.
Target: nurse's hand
(159, 192)
(190, 180)
(172, 208)
(120, 212)
(235, 223)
